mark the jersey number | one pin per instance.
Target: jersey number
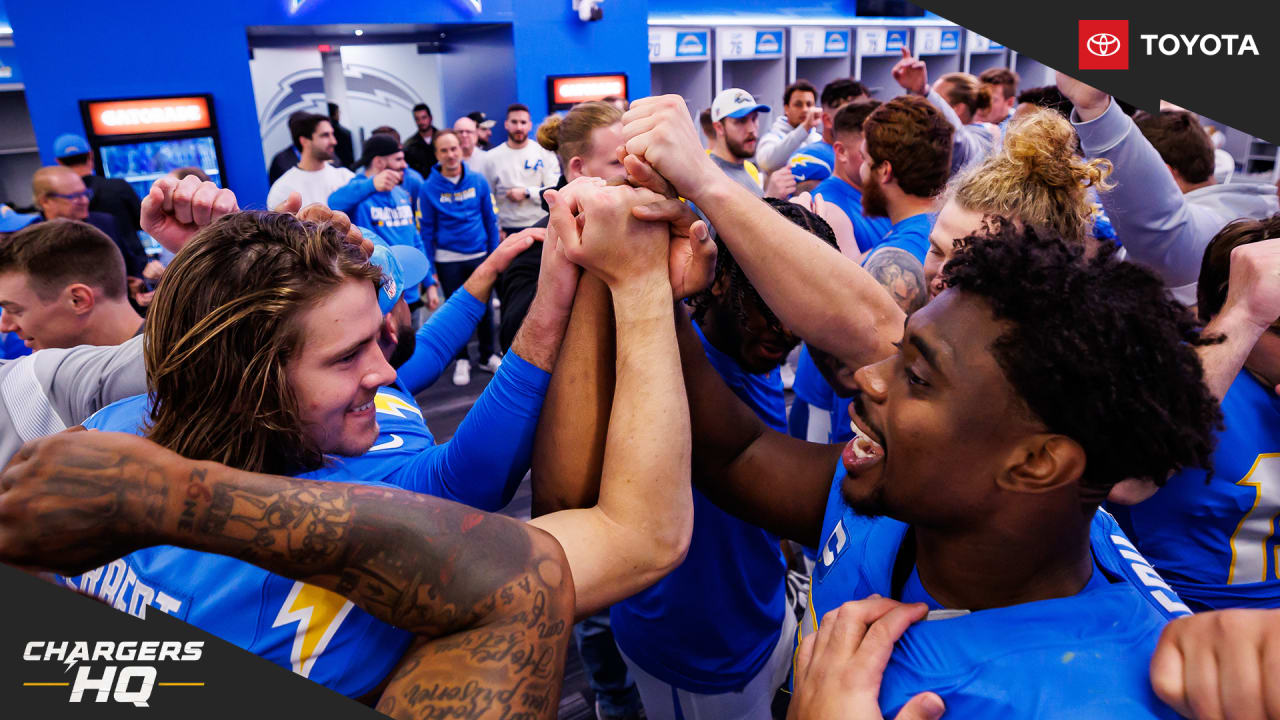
(1257, 528)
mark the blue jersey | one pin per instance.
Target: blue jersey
(813, 162)
(1084, 656)
(910, 234)
(317, 634)
(813, 391)
(713, 623)
(1214, 537)
(868, 231)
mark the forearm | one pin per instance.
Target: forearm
(346, 198)
(480, 283)
(640, 529)
(568, 449)
(392, 552)
(1223, 361)
(485, 460)
(439, 339)
(774, 151)
(815, 291)
(1158, 227)
(539, 338)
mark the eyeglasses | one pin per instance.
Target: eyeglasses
(86, 193)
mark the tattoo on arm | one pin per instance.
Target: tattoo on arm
(899, 272)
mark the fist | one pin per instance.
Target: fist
(1089, 101)
(1254, 283)
(76, 500)
(613, 244)
(813, 118)
(782, 183)
(516, 194)
(660, 131)
(387, 179)
(174, 210)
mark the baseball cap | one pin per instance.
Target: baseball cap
(12, 221)
(378, 146)
(481, 120)
(69, 144)
(735, 103)
(403, 266)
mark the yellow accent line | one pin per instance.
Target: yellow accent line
(1257, 500)
(180, 684)
(65, 684)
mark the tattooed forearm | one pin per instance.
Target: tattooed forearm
(490, 598)
(899, 272)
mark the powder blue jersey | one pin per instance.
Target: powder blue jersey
(1214, 537)
(713, 623)
(812, 390)
(868, 231)
(316, 633)
(1084, 656)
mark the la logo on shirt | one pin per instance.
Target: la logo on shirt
(536, 166)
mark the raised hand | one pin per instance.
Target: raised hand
(912, 74)
(174, 210)
(73, 501)
(1089, 101)
(691, 263)
(318, 213)
(839, 668)
(660, 131)
(387, 179)
(1254, 285)
(613, 244)
(782, 183)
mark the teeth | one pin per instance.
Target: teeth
(363, 407)
(863, 446)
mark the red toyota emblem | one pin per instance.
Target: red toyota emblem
(1104, 44)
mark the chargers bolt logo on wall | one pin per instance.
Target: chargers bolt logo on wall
(1104, 44)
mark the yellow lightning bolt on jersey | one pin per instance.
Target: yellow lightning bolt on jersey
(388, 404)
(318, 613)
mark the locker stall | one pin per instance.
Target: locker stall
(820, 55)
(982, 54)
(680, 64)
(755, 60)
(877, 50)
(941, 48)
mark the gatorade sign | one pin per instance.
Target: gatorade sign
(152, 115)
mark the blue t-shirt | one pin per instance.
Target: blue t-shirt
(1214, 537)
(868, 231)
(813, 162)
(910, 234)
(713, 623)
(1084, 656)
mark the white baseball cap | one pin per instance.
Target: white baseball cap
(735, 103)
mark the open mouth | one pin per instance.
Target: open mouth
(866, 449)
(362, 408)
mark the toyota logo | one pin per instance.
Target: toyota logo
(1103, 44)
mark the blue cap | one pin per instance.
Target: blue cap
(403, 266)
(69, 144)
(12, 221)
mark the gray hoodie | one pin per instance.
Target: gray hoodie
(1159, 226)
(781, 142)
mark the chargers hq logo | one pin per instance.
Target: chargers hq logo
(128, 675)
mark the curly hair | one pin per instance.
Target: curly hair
(222, 329)
(741, 291)
(1036, 178)
(915, 139)
(1096, 350)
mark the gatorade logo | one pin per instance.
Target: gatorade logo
(1104, 44)
(768, 43)
(690, 44)
(836, 42)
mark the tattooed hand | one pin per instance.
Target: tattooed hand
(73, 501)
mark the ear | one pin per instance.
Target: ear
(1043, 463)
(388, 333)
(719, 126)
(575, 164)
(81, 297)
(885, 171)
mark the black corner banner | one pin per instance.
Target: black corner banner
(63, 655)
(1219, 59)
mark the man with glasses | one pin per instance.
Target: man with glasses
(468, 138)
(60, 193)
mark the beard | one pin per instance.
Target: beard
(406, 343)
(739, 150)
(874, 202)
(518, 136)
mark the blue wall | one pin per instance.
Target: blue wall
(159, 47)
